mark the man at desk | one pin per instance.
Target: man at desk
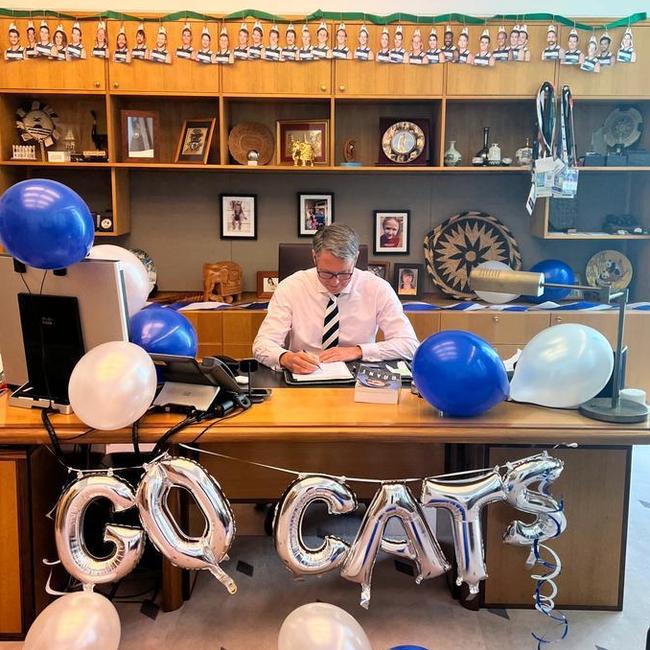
(332, 312)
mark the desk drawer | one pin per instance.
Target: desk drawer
(497, 328)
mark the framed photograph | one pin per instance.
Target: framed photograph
(315, 211)
(392, 232)
(194, 142)
(293, 135)
(407, 280)
(238, 216)
(140, 136)
(380, 269)
(267, 282)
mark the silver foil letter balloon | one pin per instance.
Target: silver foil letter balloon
(287, 524)
(393, 500)
(204, 552)
(550, 521)
(68, 531)
(465, 500)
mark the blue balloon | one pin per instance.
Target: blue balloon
(459, 373)
(45, 224)
(554, 271)
(163, 331)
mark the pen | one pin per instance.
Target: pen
(314, 356)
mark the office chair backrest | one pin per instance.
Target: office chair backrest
(296, 257)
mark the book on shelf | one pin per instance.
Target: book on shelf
(377, 385)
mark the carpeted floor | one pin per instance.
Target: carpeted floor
(400, 612)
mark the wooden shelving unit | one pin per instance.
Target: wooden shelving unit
(458, 101)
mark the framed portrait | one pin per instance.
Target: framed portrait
(140, 136)
(267, 282)
(194, 141)
(380, 269)
(407, 280)
(392, 232)
(315, 211)
(293, 135)
(238, 216)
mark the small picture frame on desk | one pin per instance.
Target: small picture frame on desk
(407, 280)
(315, 211)
(267, 283)
(392, 230)
(292, 133)
(195, 140)
(380, 269)
(238, 216)
(140, 136)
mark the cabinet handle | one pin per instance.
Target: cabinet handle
(495, 319)
(97, 84)
(323, 87)
(558, 319)
(342, 88)
(115, 84)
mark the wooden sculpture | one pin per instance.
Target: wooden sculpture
(222, 282)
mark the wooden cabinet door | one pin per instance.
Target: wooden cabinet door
(425, 324)
(180, 76)
(45, 74)
(208, 326)
(355, 77)
(637, 326)
(510, 79)
(619, 80)
(239, 331)
(502, 328)
(276, 78)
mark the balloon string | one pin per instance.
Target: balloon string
(545, 602)
(486, 471)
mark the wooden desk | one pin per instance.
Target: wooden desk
(324, 430)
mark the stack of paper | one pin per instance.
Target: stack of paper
(327, 372)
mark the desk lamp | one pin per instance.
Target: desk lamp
(525, 283)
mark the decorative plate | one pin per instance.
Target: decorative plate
(403, 142)
(37, 121)
(454, 247)
(152, 274)
(251, 136)
(609, 268)
(623, 127)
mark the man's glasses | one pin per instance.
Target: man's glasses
(339, 277)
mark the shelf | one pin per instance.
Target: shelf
(592, 236)
(64, 165)
(614, 169)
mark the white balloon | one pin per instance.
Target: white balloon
(81, 620)
(136, 277)
(321, 626)
(563, 366)
(112, 385)
(494, 296)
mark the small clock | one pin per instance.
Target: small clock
(404, 142)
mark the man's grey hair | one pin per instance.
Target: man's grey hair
(339, 240)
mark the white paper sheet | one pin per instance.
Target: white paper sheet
(326, 372)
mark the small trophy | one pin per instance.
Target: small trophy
(253, 156)
(350, 154)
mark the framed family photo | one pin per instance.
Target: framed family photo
(194, 142)
(380, 269)
(140, 136)
(267, 282)
(292, 133)
(238, 216)
(392, 231)
(407, 280)
(315, 211)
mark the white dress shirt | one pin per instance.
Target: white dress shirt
(366, 304)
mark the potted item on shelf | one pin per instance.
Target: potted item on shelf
(140, 136)
(453, 157)
(195, 139)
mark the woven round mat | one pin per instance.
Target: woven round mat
(251, 135)
(454, 247)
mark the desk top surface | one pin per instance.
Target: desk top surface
(331, 415)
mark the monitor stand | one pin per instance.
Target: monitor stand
(52, 336)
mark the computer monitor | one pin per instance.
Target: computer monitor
(44, 331)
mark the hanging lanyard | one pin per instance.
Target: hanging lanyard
(566, 139)
(545, 120)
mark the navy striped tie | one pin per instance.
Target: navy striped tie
(331, 325)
